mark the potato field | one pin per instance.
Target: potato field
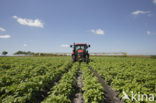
(58, 80)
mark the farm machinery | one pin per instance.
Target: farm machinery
(80, 52)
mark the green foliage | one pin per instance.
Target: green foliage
(23, 53)
(65, 89)
(127, 74)
(4, 53)
(153, 56)
(93, 91)
(57, 99)
(24, 81)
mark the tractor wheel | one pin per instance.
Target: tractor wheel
(87, 59)
(73, 58)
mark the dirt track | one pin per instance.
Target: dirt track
(78, 96)
(110, 96)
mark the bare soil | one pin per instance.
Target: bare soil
(78, 96)
(110, 96)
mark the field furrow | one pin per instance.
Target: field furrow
(64, 90)
(36, 87)
(78, 98)
(58, 80)
(110, 96)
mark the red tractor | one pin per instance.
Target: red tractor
(80, 52)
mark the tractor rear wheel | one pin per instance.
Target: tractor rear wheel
(73, 58)
(87, 59)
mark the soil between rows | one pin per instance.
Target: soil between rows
(44, 93)
(110, 96)
(78, 96)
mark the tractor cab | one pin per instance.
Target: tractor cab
(80, 52)
(80, 48)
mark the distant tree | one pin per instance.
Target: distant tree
(23, 53)
(4, 53)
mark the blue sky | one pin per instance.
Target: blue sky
(52, 25)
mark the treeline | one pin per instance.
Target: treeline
(4, 53)
(29, 53)
(153, 56)
(24, 53)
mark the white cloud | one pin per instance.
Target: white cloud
(29, 22)
(2, 29)
(148, 32)
(5, 36)
(137, 12)
(97, 31)
(154, 1)
(25, 45)
(65, 46)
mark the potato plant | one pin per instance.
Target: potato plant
(93, 90)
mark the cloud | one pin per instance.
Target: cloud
(25, 45)
(97, 31)
(5, 36)
(154, 1)
(137, 12)
(65, 46)
(2, 29)
(148, 32)
(29, 22)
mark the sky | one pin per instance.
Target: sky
(52, 25)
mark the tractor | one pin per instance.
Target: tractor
(80, 52)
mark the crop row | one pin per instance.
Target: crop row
(65, 89)
(26, 74)
(39, 80)
(16, 70)
(93, 91)
(128, 74)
